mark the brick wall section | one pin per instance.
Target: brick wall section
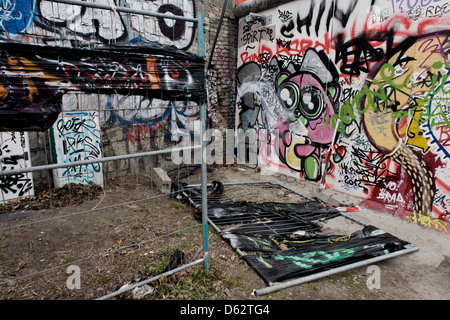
(223, 70)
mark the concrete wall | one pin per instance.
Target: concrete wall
(376, 73)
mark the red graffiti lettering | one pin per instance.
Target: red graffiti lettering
(299, 46)
(444, 135)
(263, 56)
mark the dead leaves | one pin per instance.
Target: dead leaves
(70, 194)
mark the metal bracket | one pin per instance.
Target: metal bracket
(261, 20)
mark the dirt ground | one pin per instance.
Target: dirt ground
(423, 275)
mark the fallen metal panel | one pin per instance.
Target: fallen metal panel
(284, 242)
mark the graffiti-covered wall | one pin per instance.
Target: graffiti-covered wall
(374, 75)
(139, 75)
(66, 24)
(136, 73)
(15, 154)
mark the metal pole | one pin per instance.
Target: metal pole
(353, 219)
(292, 190)
(204, 190)
(231, 183)
(219, 231)
(85, 162)
(165, 274)
(215, 38)
(282, 285)
(123, 9)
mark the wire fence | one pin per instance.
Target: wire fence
(86, 207)
(113, 234)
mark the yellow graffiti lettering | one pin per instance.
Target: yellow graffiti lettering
(426, 221)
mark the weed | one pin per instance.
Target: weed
(313, 286)
(103, 279)
(177, 205)
(195, 285)
(6, 260)
(67, 259)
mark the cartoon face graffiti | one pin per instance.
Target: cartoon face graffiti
(310, 96)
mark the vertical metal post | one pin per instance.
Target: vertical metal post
(204, 190)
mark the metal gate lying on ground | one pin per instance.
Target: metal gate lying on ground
(288, 238)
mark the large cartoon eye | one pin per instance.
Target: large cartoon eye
(311, 105)
(289, 95)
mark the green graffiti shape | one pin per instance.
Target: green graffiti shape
(307, 260)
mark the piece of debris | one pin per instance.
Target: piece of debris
(142, 291)
(136, 293)
(348, 209)
(175, 261)
(161, 180)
